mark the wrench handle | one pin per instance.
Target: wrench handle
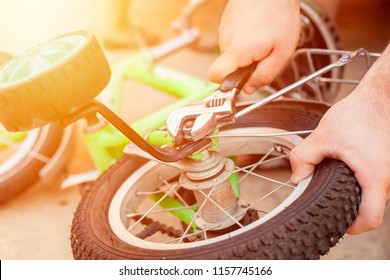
(237, 79)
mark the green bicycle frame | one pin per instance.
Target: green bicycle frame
(7, 137)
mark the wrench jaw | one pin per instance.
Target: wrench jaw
(193, 122)
(203, 125)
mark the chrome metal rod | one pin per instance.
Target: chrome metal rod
(286, 89)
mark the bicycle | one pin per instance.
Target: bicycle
(99, 228)
(26, 160)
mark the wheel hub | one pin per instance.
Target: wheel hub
(208, 178)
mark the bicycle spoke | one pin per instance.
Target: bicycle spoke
(152, 208)
(165, 210)
(237, 148)
(256, 164)
(204, 233)
(254, 167)
(263, 198)
(31, 153)
(159, 190)
(197, 214)
(166, 183)
(265, 178)
(163, 190)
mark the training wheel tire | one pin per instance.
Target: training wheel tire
(72, 71)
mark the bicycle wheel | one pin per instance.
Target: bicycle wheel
(118, 218)
(25, 158)
(50, 81)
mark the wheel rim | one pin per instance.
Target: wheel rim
(131, 200)
(39, 59)
(13, 150)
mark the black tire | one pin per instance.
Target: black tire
(25, 167)
(306, 229)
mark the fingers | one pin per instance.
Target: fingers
(311, 151)
(267, 69)
(236, 57)
(305, 156)
(375, 193)
(371, 210)
(225, 64)
(269, 65)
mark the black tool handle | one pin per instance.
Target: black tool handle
(238, 78)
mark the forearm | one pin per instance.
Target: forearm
(374, 89)
(379, 74)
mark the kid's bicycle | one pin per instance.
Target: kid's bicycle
(27, 157)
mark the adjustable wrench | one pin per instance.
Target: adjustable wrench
(197, 120)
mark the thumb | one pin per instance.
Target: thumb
(225, 64)
(305, 156)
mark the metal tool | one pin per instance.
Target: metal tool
(197, 120)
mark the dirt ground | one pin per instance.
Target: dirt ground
(36, 225)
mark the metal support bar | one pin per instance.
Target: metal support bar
(168, 154)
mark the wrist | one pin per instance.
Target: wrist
(377, 78)
(373, 92)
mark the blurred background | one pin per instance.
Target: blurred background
(36, 225)
(25, 23)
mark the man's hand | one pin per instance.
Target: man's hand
(356, 130)
(265, 32)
